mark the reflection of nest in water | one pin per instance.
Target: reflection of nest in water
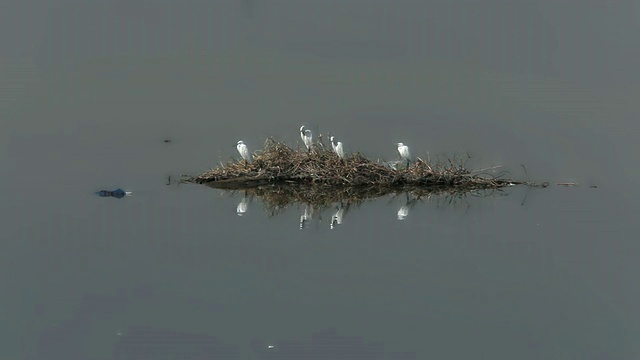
(278, 197)
(280, 176)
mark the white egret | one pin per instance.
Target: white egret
(306, 136)
(337, 147)
(403, 150)
(244, 151)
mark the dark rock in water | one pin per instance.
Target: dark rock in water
(118, 193)
(167, 140)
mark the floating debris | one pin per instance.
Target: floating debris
(568, 184)
(118, 193)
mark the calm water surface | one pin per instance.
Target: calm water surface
(90, 89)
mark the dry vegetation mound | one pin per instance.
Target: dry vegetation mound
(322, 171)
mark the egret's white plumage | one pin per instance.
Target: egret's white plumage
(337, 147)
(403, 150)
(302, 132)
(244, 151)
(306, 136)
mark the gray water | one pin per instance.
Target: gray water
(90, 89)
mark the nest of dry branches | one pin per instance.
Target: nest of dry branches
(322, 168)
(280, 176)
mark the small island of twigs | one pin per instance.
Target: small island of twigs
(284, 175)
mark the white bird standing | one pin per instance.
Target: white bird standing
(403, 150)
(307, 137)
(244, 151)
(337, 147)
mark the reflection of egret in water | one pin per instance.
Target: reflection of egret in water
(403, 212)
(305, 218)
(243, 205)
(336, 219)
(338, 216)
